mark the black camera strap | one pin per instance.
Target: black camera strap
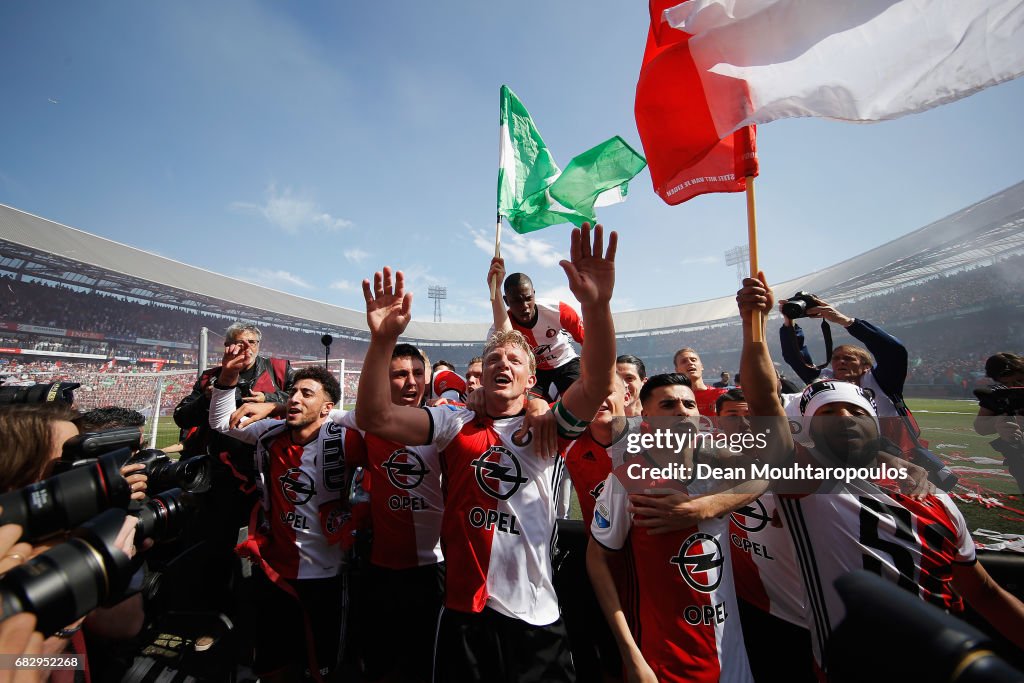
(826, 332)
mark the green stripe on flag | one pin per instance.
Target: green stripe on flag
(598, 176)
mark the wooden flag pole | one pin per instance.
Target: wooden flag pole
(497, 254)
(757, 325)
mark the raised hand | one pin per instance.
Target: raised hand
(591, 268)
(756, 296)
(387, 307)
(496, 273)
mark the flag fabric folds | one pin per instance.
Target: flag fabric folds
(733, 63)
(598, 177)
(533, 193)
(686, 155)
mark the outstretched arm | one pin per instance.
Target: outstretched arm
(760, 383)
(591, 274)
(496, 273)
(387, 315)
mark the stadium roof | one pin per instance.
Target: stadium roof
(37, 247)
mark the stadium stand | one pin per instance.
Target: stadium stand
(80, 298)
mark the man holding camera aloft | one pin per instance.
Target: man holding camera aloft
(882, 377)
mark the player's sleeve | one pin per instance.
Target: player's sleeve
(965, 550)
(612, 521)
(344, 418)
(570, 321)
(222, 404)
(445, 424)
(569, 426)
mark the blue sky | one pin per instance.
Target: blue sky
(303, 144)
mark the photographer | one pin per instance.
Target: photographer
(1001, 415)
(883, 380)
(260, 380)
(34, 437)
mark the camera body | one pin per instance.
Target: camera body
(191, 474)
(796, 306)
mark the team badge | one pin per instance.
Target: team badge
(297, 486)
(700, 562)
(752, 517)
(551, 332)
(405, 469)
(499, 473)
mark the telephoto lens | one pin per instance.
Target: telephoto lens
(64, 501)
(71, 579)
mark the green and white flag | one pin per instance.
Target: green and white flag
(533, 193)
(526, 170)
(598, 177)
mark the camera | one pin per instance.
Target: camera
(191, 474)
(68, 499)
(796, 306)
(39, 393)
(89, 570)
(72, 578)
(165, 516)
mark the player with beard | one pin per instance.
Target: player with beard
(838, 525)
(501, 617)
(303, 475)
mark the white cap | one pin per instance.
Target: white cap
(818, 394)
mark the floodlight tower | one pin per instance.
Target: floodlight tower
(739, 257)
(437, 293)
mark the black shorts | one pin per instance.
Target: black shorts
(294, 630)
(491, 648)
(562, 377)
(401, 616)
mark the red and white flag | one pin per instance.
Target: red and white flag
(685, 154)
(755, 61)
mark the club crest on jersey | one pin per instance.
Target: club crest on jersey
(551, 332)
(795, 427)
(297, 486)
(499, 473)
(700, 562)
(405, 469)
(752, 517)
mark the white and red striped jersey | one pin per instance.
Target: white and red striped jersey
(764, 561)
(589, 465)
(499, 517)
(551, 333)
(862, 526)
(686, 621)
(304, 489)
(406, 504)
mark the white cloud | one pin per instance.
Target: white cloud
(345, 286)
(518, 249)
(292, 214)
(270, 278)
(355, 255)
(700, 260)
(559, 293)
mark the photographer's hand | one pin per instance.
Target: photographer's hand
(12, 553)
(19, 637)
(137, 482)
(255, 397)
(829, 313)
